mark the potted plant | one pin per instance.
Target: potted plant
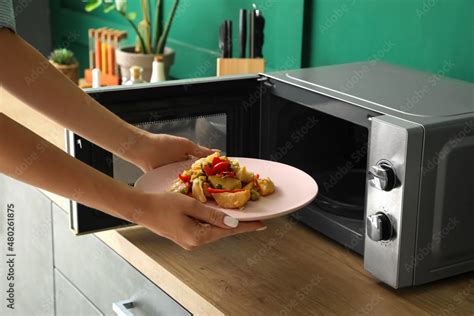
(150, 35)
(63, 59)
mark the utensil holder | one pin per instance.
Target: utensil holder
(236, 66)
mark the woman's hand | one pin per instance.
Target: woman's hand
(185, 220)
(154, 150)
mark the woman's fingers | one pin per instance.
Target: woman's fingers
(198, 150)
(203, 233)
(212, 216)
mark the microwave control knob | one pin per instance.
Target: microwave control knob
(379, 227)
(382, 176)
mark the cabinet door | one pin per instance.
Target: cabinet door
(69, 300)
(28, 279)
(217, 113)
(104, 277)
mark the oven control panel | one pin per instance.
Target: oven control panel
(393, 176)
(379, 227)
(382, 176)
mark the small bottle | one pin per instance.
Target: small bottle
(158, 70)
(135, 75)
(95, 78)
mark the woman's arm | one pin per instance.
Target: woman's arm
(31, 159)
(31, 78)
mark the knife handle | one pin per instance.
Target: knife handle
(253, 15)
(243, 33)
(229, 39)
(222, 39)
(259, 35)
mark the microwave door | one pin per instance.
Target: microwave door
(220, 113)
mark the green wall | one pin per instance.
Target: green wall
(194, 34)
(430, 35)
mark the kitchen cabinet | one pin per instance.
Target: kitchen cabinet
(31, 252)
(103, 276)
(86, 276)
(69, 300)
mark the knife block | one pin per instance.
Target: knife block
(237, 66)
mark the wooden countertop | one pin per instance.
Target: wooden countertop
(287, 269)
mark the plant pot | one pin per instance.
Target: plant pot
(126, 58)
(70, 71)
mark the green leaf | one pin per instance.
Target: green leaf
(132, 16)
(92, 5)
(109, 8)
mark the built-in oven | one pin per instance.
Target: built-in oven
(359, 129)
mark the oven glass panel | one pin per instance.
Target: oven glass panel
(209, 131)
(332, 150)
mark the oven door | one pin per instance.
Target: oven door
(216, 112)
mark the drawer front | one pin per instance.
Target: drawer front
(103, 276)
(69, 300)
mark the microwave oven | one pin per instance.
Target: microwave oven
(392, 150)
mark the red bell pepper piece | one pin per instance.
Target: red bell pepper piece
(208, 170)
(221, 167)
(215, 161)
(184, 178)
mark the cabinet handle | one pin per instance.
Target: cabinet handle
(122, 308)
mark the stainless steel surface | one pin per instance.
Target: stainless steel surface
(123, 308)
(379, 227)
(382, 176)
(399, 142)
(386, 88)
(445, 223)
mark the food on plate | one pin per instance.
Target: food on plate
(222, 179)
(232, 200)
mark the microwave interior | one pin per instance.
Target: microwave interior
(324, 137)
(333, 150)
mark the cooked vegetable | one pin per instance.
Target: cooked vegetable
(223, 179)
(212, 190)
(198, 192)
(265, 186)
(184, 178)
(232, 200)
(254, 196)
(221, 167)
(225, 183)
(215, 161)
(205, 189)
(244, 176)
(249, 186)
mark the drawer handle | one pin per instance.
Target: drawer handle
(122, 308)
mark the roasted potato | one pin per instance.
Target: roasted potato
(244, 175)
(225, 183)
(265, 186)
(198, 192)
(232, 199)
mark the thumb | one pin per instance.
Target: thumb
(212, 216)
(200, 151)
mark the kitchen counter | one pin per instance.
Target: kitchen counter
(287, 269)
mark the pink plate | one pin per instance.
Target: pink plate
(294, 188)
